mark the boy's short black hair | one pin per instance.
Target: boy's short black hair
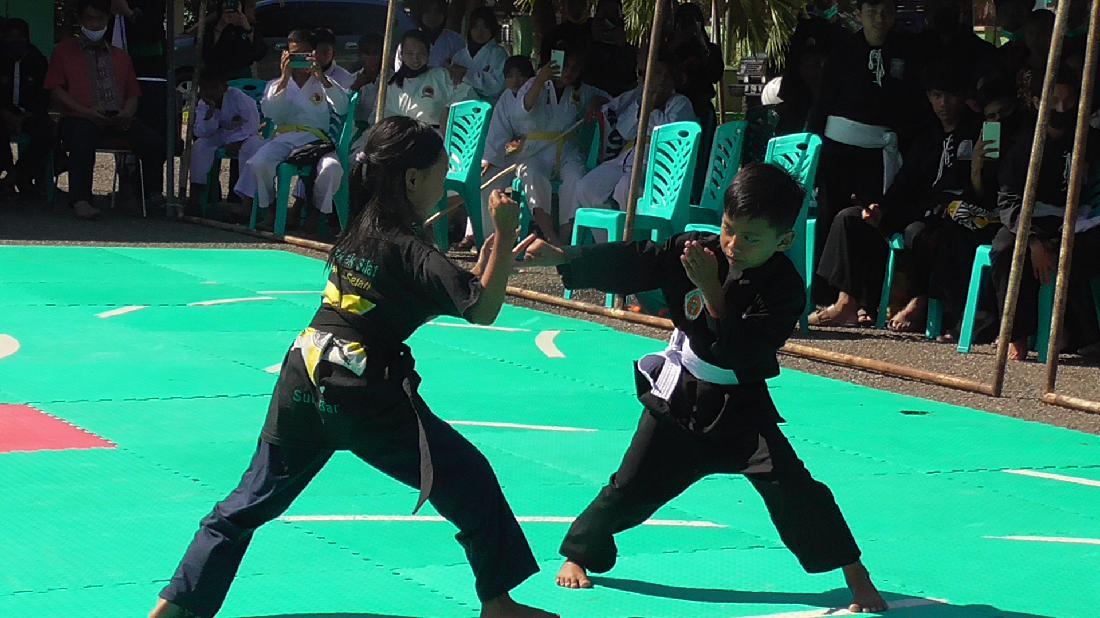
(103, 6)
(996, 86)
(323, 36)
(301, 36)
(765, 191)
(212, 76)
(371, 42)
(521, 64)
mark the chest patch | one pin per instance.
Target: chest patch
(428, 92)
(693, 304)
(316, 98)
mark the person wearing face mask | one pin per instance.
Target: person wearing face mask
(1045, 233)
(95, 86)
(480, 65)
(870, 105)
(443, 43)
(23, 107)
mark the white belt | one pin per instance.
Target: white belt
(676, 357)
(852, 133)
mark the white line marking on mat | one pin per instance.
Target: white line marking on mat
(8, 345)
(843, 611)
(120, 311)
(520, 426)
(545, 342)
(289, 292)
(1048, 539)
(674, 523)
(1056, 477)
(210, 283)
(274, 368)
(227, 301)
(503, 329)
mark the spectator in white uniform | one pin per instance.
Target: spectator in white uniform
(480, 64)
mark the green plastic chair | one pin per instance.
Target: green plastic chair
(254, 88)
(725, 161)
(467, 126)
(934, 325)
(799, 154)
(663, 208)
(589, 133)
(706, 228)
(286, 173)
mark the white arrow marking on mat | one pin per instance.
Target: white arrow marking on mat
(227, 301)
(120, 311)
(274, 368)
(545, 342)
(520, 426)
(504, 329)
(1048, 539)
(8, 345)
(676, 523)
(1055, 477)
(843, 611)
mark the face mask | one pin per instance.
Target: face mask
(94, 36)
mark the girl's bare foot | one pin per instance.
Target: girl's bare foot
(504, 607)
(1017, 350)
(911, 318)
(164, 609)
(573, 575)
(838, 314)
(865, 597)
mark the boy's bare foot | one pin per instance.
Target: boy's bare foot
(865, 597)
(1017, 350)
(573, 575)
(838, 314)
(911, 318)
(164, 609)
(504, 607)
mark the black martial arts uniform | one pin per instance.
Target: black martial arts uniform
(936, 172)
(704, 427)
(348, 383)
(813, 37)
(874, 87)
(22, 75)
(1046, 225)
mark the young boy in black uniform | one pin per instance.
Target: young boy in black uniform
(734, 300)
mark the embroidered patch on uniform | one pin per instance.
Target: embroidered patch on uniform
(966, 150)
(428, 92)
(693, 304)
(897, 68)
(316, 98)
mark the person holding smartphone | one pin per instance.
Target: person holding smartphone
(232, 44)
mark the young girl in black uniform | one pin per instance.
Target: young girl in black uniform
(734, 300)
(348, 383)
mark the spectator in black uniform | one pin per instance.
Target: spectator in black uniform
(573, 33)
(232, 44)
(816, 32)
(23, 106)
(612, 65)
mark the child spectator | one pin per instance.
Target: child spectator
(553, 105)
(619, 123)
(480, 64)
(225, 118)
(418, 90)
(324, 51)
(306, 106)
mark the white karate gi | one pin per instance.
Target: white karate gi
(425, 97)
(551, 116)
(484, 71)
(612, 177)
(313, 109)
(237, 120)
(509, 122)
(337, 75)
(368, 102)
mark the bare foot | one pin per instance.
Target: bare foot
(865, 597)
(164, 609)
(504, 607)
(909, 319)
(1017, 350)
(838, 314)
(573, 575)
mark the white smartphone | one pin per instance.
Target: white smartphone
(991, 132)
(557, 56)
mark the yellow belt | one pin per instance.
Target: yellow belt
(298, 128)
(551, 136)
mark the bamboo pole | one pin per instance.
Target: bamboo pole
(1074, 403)
(1073, 199)
(716, 31)
(170, 103)
(322, 247)
(1008, 315)
(192, 101)
(655, 34)
(387, 61)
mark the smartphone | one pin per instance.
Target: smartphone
(301, 61)
(991, 132)
(557, 56)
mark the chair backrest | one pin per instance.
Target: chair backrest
(798, 154)
(254, 88)
(725, 161)
(347, 133)
(672, 153)
(467, 126)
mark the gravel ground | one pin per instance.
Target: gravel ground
(37, 223)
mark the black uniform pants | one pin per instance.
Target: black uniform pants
(1080, 321)
(39, 130)
(941, 253)
(465, 491)
(663, 460)
(80, 138)
(854, 258)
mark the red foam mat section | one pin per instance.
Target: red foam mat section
(23, 429)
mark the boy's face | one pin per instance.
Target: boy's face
(877, 19)
(749, 242)
(433, 16)
(515, 79)
(946, 105)
(371, 60)
(325, 54)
